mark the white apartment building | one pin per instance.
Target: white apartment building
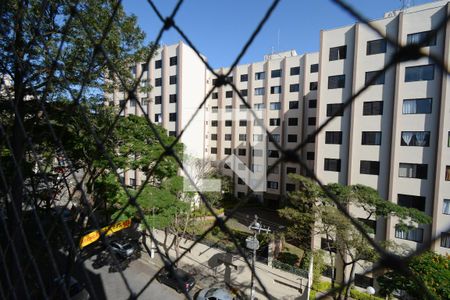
(281, 90)
(177, 77)
(395, 136)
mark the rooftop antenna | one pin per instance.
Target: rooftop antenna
(278, 40)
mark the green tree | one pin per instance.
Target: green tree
(311, 213)
(49, 52)
(431, 268)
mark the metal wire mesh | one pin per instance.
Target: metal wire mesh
(14, 189)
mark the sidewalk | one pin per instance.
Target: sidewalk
(212, 266)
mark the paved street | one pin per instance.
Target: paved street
(137, 274)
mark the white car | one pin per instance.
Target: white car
(215, 293)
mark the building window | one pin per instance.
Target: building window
(228, 123)
(242, 123)
(446, 207)
(214, 109)
(413, 234)
(369, 167)
(419, 73)
(292, 138)
(275, 89)
(327, 245)
(244, 77)
(144, 67)
(312, 103)
(376, 76)
(336, 82)
(274, 169)
(258, 106)
(227, 151)
(413, 170)
(242, 152)
(173, 117)
(257, 137)
(275, 105)
(228, 108)
(337, 53)
(415, 138)
(273, 154)
(293, 104)
(158, 81)
(417, 106)
(173, 61)
(332, 164)
(293, 122)
(310, 155)
(132, 182)
(158, 64)
(229, 79)
(363, 281)
(215, 95)
(335, 109)
(333, 137)
(313, 86)
(158, 118)
(312, 121)
(311, 139)
(371, 225)
(276, 137)
(447, 173)
(422, 39)
(173, 79)
(244, 93)
(445, 239)
(257, 168)
(227, 137)
(295, 71)
(242, 137)
(173, 98)
(213, 137)
(260, 76)
(290, 187)
(214, 123)
(371, 138)
(132, 103)
(376, 47)
(172, 133)
(275, 73)
(259, 91)
(411, 201)
(274, 122)
(291, 170)
(294, 88)
(272, 185)
(158, 99)
(229, 94)
(213, 150)
(372, 108)
(314, 68)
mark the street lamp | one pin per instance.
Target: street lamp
(252, 243)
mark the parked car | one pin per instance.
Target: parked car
(123, 249)
(177, 279)
(215, 293)
(75, 289)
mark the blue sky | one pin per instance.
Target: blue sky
(219, 28)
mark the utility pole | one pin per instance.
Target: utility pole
(253, 244)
